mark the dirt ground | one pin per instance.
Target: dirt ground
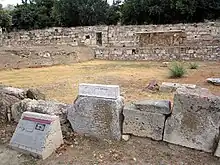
(89, 151)
(61, 83)
(140, 151)
(18, 57)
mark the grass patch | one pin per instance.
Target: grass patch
(177, 70)
(193, 65)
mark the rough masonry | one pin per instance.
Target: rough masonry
(138, 42)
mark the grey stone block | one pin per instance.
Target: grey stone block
(6, 101)
(172, 87)
(99, 90)
(143, 124)
(195, 119)
(97, 117)
(16, 92)
(214, 81)
(39, 106)
(34, 93)
(154, 106)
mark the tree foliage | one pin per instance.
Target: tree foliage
(33, 14)
(5, 19)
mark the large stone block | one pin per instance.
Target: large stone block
(34, 93)
(154, 106)
(172, 87)
(214, 81)
(37, 134)
(98, 90)
(6, 101)
(142, 123)
(97, 117)
(39, 106)
(16, 92)
(195, 120)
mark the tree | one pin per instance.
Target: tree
(33, 14)
(5, 19)
(66, 13)
(169, 11)
(114, 13)
(80, 12)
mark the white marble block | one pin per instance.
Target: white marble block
(37, 134)
(98, 90)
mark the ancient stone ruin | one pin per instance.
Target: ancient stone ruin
(141, 42)
(99, 111)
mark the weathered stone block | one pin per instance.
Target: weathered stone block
(37, 134)
(98, 90)
(214, 81)
(39, 106)
(19, 93)
(142, 123)
(195, 119)
(34, 93)
(172, 87)
(154, 106)
(97, 117)
(6, 101)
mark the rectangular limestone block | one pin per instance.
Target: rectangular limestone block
(97, 117)
(143, 124)
(195, 119)
(98, 90)
(172, 87)
(154, 106)
(37, 134)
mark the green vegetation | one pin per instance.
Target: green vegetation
(34, 14)
(177, 70)
(193, 65)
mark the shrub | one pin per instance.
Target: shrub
(177, 70)
(193, 65)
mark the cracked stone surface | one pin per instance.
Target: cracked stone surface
(97, 117)
(195, 120)
(146, 118)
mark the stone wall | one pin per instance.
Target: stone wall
(144, 42)
(99, 111)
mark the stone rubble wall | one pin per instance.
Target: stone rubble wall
(137, 42)
(201, 53)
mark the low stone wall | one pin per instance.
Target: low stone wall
(138, 42)
(99, 111)
(201, 53)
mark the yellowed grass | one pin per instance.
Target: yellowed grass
(61, 82)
